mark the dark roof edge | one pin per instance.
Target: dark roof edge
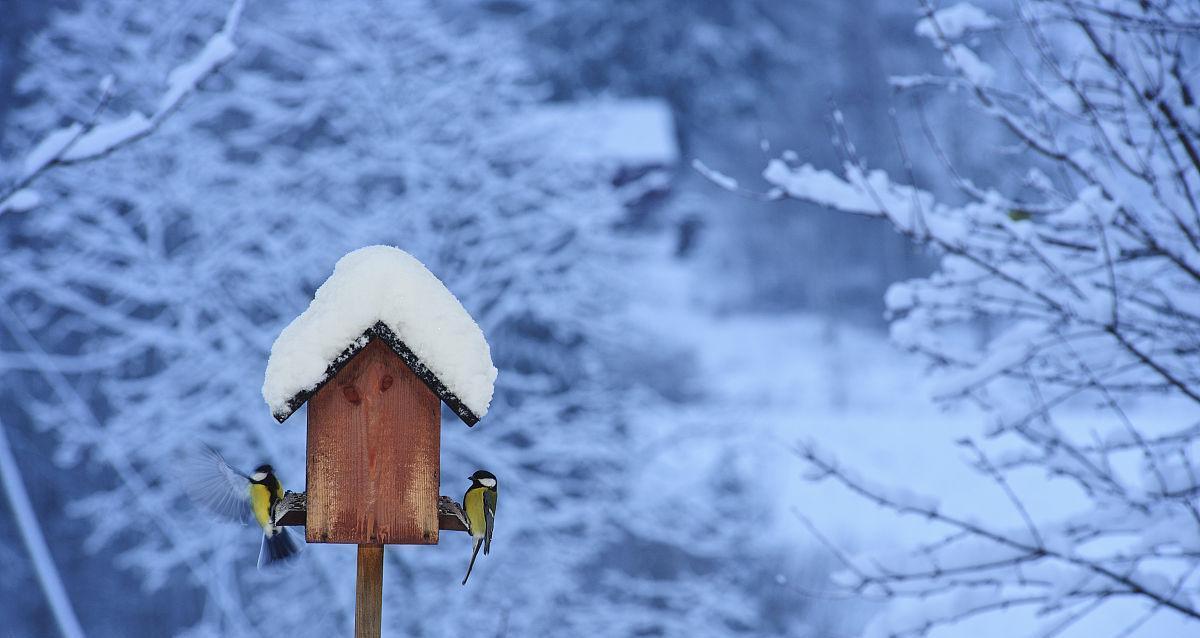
(397, 346)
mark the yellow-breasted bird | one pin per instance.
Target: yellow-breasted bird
(479, 503)
(231, 494)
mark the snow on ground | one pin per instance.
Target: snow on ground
(771, 380)
(632, 133)
(382, 283)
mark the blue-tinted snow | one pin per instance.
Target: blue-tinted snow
(667, 348)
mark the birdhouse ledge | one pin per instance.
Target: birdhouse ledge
(292, 510)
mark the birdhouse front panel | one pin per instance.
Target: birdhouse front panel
(374, 437)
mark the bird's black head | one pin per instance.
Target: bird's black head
(484, 478)
(261, 473)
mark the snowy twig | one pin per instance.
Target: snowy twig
(77, 143)
(1025, 550)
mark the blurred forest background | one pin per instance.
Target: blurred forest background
(665, 335)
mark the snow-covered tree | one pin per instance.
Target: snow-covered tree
(738, 73)
(143, 293)
(1067, 305)
(708, 60)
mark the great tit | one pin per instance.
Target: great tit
(479, 503)
(231, 494)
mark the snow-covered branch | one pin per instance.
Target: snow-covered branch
(85, 141)
(1017, 566)
(1079, 290)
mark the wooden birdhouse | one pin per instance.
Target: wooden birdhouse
(381, 347)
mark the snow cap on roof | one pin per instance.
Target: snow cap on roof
(421, 320)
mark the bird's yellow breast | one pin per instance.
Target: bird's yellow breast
(473, 504)
(260, 502)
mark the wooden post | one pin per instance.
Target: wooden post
(368, 592)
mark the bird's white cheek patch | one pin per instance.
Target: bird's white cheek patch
(488, 482)
(258, 476)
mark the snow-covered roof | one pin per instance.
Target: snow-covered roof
(382, 292)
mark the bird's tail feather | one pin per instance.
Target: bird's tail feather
(278, 548)
(474, 553)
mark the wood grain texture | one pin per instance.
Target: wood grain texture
(368, 592)
(374, 449)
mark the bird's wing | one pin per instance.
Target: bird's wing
(489, 516)
(217, 486)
